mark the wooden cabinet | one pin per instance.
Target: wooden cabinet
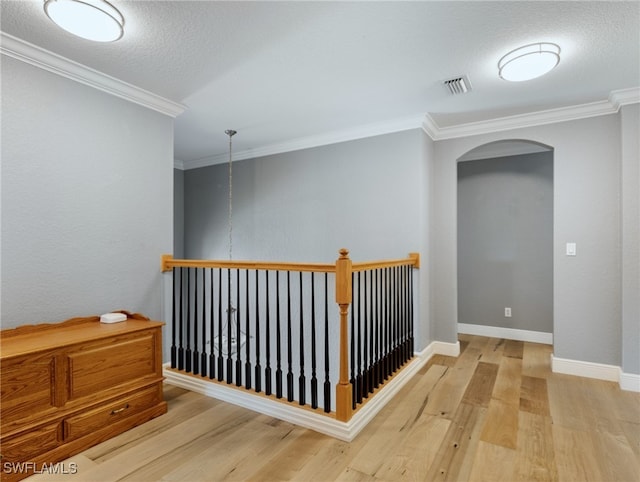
(65, 387)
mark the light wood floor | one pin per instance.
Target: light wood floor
(494, 413)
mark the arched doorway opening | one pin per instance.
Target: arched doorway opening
(505, 241)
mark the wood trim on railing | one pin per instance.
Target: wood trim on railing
(168, 262)
(343, 299)
(412, 260)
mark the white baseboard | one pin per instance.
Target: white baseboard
(282, 411)
(440, 348)
(508, 333)
(599, 371)
(346, 431)
(630, 382)
(579, 368)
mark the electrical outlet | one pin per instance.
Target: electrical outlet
(507, 312)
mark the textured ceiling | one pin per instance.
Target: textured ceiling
(281, 71)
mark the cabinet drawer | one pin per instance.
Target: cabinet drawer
(97, 368)
(26, 387)
(23, 448)
(106, 414)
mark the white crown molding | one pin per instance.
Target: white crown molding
(532, 119)
(178, 164)
(335, 137)
(26, 52)
(612, 105)
(617, 98)
(507, 333)
(430, 127)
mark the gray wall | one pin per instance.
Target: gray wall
(630, 119)
(505, 241)
(587, 288)
(178, 213)
(87, 199)
(400, 190)
(366, 195)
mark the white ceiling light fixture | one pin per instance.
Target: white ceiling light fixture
(529, 62)
(95, 20)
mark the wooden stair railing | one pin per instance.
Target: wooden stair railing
(373, 344)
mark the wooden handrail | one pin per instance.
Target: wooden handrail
(412, 260)
(168, 262)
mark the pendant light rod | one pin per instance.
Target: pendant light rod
(230, 133)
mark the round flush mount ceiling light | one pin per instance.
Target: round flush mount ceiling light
(529, 62)
(95, 20)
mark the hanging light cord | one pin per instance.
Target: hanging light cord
(230, 133)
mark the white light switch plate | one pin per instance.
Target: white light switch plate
(571, 249)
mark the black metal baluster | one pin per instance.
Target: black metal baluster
(278, 340)
(366, 387)
(399, 315)
(394, 320)
(411, 320)
(401, 305)
(212, 357)
(229, 378)
(220, 359)
(174, 318)
(376, 329)
(371, 333)
(301, 379)
(327, 382)
(238, 333)
(203, 353)
(188, 358)
(289, 350)
(196, 354)
(267, 340)
(401, 350)
(405, 277)
(314, 379)
(403, 317)
(247, 363)
(383, 325)
(181, 349)
(352, 351)
(387, 322)
(359, 339)
(258, 368)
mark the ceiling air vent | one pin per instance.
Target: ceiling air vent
(458, 85)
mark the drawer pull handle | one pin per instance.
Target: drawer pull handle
(119, 410)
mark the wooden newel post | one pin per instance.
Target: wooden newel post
(343, 299)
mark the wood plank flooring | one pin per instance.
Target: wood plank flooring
(494, 413)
